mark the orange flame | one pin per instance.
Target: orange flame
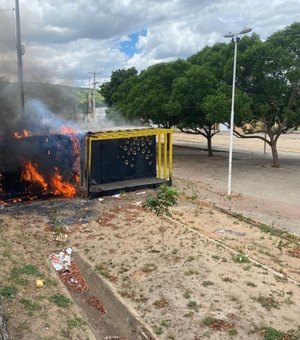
(22, 134)
(30, 174)
(62, 188)
(67, 130)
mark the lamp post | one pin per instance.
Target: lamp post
(235, 38)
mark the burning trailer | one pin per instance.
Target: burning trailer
(90, 165)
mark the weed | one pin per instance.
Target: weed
(207, 283)
(193, 305)
(233, 332)
(149, 267)
(76, 322)
(165, 323)
(227, 279)
(56, 223)
(190, 258)
(208, 321)
(272, 334)
(60, 300)
(191, 272)
(267, 302)
(8, 292)
(103, 270)
(241, 258)
(187, 294)
(161, 303)
(165, 198)
(216, 257)
(158, 330)
(251, 284)
(30, 306)
(189, 314)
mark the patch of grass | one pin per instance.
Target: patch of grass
(207, 283)
(251, 284)
(267, 302)
(103, 270)
(233, 332)
(216, 257)
(76, 322)
(17, 274)
(208, 321)
(240, 258)
(227, 279)
(190, 258)
(191, 272)
(270, 333)
(7, 249)
(193, 305)
(30, 305)
(149, 267)
(158, 330)
(8, 292)
(60, 300)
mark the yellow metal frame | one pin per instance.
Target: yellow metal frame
(164, 155)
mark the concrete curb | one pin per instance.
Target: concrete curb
(120, 316)
(3, 327)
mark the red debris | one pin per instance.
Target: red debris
(73, 278)
(94, 302)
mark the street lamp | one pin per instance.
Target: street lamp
(235, 38)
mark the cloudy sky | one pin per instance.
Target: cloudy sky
(66, 39)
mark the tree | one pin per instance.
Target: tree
(270, 76)
(160, 204)
(189, 92)
(117, 78)
(149, 96)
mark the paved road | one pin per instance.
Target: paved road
(266, 194)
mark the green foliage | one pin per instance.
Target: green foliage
(272, 334)
(8, 292)
(241, 258)
(30, 306)
(165, 198)
(17, 274)
(117, 78)
(60, 300)
(76, 322)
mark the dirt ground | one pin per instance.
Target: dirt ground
(218, 276)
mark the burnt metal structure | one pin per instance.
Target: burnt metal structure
(46, 152)
(122, 160)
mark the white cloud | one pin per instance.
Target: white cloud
(65, 39)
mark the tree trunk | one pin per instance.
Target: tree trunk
(273, 145)
(209, 146)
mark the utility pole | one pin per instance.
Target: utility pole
(94, 94)
(20, 53)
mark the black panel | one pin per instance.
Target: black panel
(121, 159)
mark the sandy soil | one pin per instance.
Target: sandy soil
(196, 288)
(218, 277)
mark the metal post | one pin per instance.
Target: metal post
(235, 38)
(232, 118)
(94, 98)
(20, 53)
